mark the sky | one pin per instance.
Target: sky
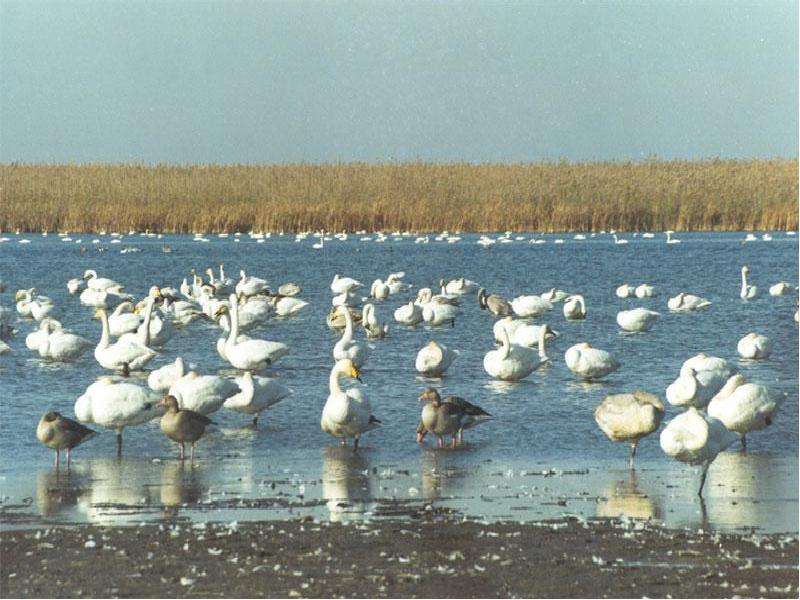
(477, 81)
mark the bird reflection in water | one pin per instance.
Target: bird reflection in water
(117, 490)
(624, 498)
(346, 486)
(181, 485)
(58, 490)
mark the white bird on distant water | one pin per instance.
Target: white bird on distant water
(637, 319)
(629, 417)
(625, 291)
(747, 292)
(754, 346)
(684, 302)
(780, 289)
(696, 438)
(644, 291)
(590, 363)
(574, 308)
(743, 407)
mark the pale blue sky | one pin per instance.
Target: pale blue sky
(321, 81)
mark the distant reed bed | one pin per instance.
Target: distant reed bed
(416, 196)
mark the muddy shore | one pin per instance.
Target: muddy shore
(427, 558)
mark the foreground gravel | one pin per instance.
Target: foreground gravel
(395, 559)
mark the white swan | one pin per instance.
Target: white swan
(781, 289)
(408, 314)
(747, 292)
(250, 286)
(637, 319)
(124, 352)
(161, 379)
(684, 302)
(35, 338)
(181, 312)
(629, 417)
(115, 403)
(224, 320)
(574, 307)
(530, 306)
(346, 348)
(100, 284)
(379, 290)
(644, 290)
(435, 314)
(349, 298)
(42, 307)
(695, 438)
(256, 395)
(554, 295)
(701, 377)
(287, 306)
(461, 286)
(743, 407)
(754, 346)
(511, 362)
(249, 355)
(203, 394)
(23, 299)
(347, 413)
(374, 327)
(341, 285)
(395, 284)
(123, 320)
(434, 359)
(62, 346)
(520, 332)
(590, 363)
(75, 285)
(625, 291)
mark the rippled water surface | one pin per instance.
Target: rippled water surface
(541, 456)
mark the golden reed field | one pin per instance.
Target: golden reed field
(416, 196)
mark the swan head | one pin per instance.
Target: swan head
(432, 396)
(89, 274)
(155, 291)
(745, 270)
(348, 367)
(221, 310)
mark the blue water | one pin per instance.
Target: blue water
(546, 419)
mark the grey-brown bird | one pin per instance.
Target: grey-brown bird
(450, 415)
(181, 425)
(61, 433)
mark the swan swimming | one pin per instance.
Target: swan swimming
(520, 332)
(408, 314)
(511, 362)
(747, 292)
(346, 348)
(684, 302)
(754, 346)
(637, 319)
(574, 308)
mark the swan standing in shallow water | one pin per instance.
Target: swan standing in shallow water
(435, 313)
(448, 416)
(701, 377)
(434, 359)
(743, 407)
(629, 417)
(347, 413)
(695, 438)
(35, 338)
(684, 302)
(590, 363)
(574, 308)
(248, 355)
(511, 362)
(115, 403)
(379, 290)
(638, 319)
(256, 395)
(346, 348)
(754, 346)
(747, 292)
(408, 314)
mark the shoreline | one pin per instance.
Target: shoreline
(433, 556)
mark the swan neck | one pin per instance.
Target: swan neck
(505, 350)
(144, 335)
(542, 341)
(348, 324)
(334, 380)
(234, 313)
(105, 335)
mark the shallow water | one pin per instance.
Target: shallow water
(541, 424)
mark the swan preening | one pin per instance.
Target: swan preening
(256, 394)
(696, 438)
(637, 319)
(574, 308)
(512, 362)
(629, 417)
(743, 407)
(701, 377)
(434, 359)
(520, 332)
(347, 413)
(684, 302)
(754, 346)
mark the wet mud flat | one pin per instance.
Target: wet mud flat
(436, 557)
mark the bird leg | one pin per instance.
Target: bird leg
(453, 443)
(439, 442)
(68, 458)
(744, 443)
(460, 436)
(633, 451)
(355, 443)
(703, 478)
(182, 455)
(343, 442)
(119, 444)
(55, 464)
(255, 422)
(191, 453)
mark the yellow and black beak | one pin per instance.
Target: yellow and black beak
(356, 374)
